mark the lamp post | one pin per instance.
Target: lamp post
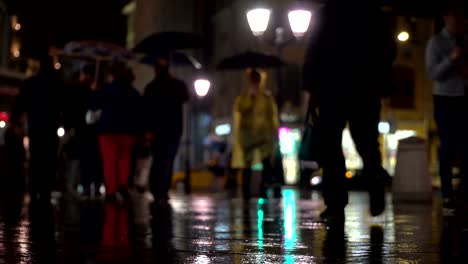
(202, 87)
(299, 22)
(259, 19)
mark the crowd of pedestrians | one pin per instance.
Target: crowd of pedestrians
(108, 122)
(103, 127)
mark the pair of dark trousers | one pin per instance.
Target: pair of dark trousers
(164, 150)
(362, 114)
(43, 148)
(91, 170)
(267, 177)
(450, 114)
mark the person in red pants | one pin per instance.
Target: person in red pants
(119, 105)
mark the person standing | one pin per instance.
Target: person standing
(118, 127)
(40, 99)
(447, 66)
(81, 98)
(256, 134)
(347, 78)
(164, 100)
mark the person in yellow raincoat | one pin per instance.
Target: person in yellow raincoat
(255, 132)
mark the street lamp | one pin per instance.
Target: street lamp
(258, 19)
(403, 36)
(299, 20)
(202, 87)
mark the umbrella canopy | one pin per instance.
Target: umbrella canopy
(177, 59)
(250, 59)
(96, 50)
(169, 41)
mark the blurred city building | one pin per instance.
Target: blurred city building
(10, 78)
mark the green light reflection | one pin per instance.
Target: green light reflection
(289, 224)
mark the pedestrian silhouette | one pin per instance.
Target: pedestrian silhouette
(40, 99)
(347, 71)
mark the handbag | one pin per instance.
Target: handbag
(309, 151)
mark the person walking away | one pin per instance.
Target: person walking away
(40, 99)
(347, 79)
(164, 99)
(447, 66)
(80, 99)
(256, 134)
(118, 127)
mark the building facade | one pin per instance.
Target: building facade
(4, 35)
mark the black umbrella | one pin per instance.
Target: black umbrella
(96, 50)
(250, 59)
(177, 59)
(169, 41)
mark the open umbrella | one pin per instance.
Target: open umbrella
(250, 59)
(96, 50)
(178, 59)
(169, 41)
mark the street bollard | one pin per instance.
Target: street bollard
(412, 181)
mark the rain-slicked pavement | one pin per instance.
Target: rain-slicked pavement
(213, 228)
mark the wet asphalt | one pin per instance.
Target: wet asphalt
(216, 228)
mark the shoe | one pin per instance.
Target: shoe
(333, 216)
(448, 207)
(377, 199)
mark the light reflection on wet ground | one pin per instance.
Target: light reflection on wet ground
(217, 229)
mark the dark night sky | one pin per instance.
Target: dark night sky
(56, 22)
(46, 22)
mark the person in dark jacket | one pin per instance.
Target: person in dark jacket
(80, 99)
(119, 125)
(40, 99)
(347, 71)
(164, 99)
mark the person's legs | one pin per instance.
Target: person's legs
(462, 139)
(332, 123)
(95, 159)
(246, 176)
(171, 155)
(109, 158)
(267, 176)
(158, 173)
(90, 161)
(124, 149)
(43, 161)
(85, 164)
(363, 123)
(443, 115)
